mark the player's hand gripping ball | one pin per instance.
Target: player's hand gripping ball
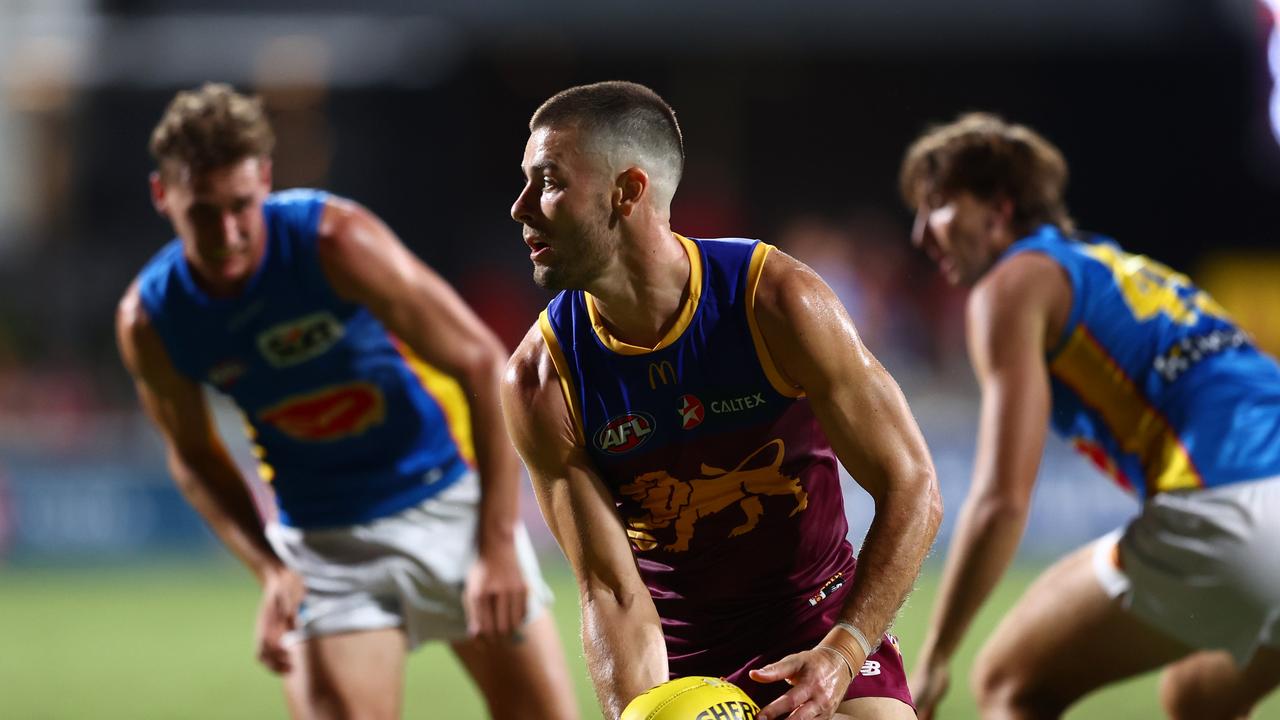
(692, 698)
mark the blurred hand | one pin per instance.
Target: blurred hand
(818, 680)
(929, 684)
(282, 594)
(496, 594)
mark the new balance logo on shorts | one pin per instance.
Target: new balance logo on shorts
(870, 667)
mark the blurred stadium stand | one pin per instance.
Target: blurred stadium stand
(795, 117)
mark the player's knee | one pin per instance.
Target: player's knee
(991, 679)
(1003, 689)
(1184, 696)
(327, 703)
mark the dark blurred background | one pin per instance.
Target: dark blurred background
(795, 117)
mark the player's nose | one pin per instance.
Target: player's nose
(520, 211)
(920, 229)
(230, 228)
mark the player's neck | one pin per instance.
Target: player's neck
(219, 289)
(640, 296)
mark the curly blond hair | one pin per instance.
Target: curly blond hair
(982, 154)
(211, 127)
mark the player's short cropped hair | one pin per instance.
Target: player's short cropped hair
(629, 122)
(982, 154)
(209, 128)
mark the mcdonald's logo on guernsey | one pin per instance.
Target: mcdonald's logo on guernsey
(661, 372)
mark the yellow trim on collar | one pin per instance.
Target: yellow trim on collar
(683, 319)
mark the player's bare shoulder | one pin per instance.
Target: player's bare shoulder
(338, 213)
(1028, 290)
(788, 286)
(133, 326)
(803, 323)
(1026, 276)
(341, 230)
(529, 371)
(533, 400)
(141, 349)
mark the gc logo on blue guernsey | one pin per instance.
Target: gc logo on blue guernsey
(624, 432)
(299, 340)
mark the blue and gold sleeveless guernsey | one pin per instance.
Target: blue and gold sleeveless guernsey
(347, 424)
(1151, 379)
(726, 485)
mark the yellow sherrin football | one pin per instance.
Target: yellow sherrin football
(692, 698)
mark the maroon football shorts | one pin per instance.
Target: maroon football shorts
(882, 675)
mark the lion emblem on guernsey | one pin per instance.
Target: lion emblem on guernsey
(667, 501)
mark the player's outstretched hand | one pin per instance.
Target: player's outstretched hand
(496, 594)
(818, 680)
(929, 684)
(282, 594)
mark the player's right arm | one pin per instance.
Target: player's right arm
(205, 473)
(621, 633)
(1011, 314)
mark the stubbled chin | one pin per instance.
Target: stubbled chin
(228, 273)
(231, 267)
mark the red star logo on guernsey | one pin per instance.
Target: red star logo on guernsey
(691, 412)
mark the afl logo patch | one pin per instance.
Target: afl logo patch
(691, 412)
(624, 433)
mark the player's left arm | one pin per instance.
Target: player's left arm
(366, 263)
(866, 418)
(1012, 313)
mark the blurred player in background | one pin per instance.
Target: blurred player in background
(1149, 378)
(371, 394)
(680, 406)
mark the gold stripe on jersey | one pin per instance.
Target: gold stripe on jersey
(448, 395)
(1085, 367)
(754, 271)
(265, 472)
(562, 370)
(683, 319)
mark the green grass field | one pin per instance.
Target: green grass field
(174, 641)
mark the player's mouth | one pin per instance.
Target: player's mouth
(940, 260)
(537, 246)
(949, 269)
(227, 250)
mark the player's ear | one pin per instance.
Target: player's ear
(264, 171)
(997, 214)
(1004, 210)
(157, 192)
(629, 189)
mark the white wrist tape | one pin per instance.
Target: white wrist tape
(867, 648)
(840, 655)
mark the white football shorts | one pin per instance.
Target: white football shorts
(406, 570)
(1202, 566)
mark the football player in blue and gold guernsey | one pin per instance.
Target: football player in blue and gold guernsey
(370, 391)
(1151, 380)
(681, 406)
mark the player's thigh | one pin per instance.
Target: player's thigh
(525, 676)
(874, 708)
(349, 676)
(1210, 684)
(1064, 638)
